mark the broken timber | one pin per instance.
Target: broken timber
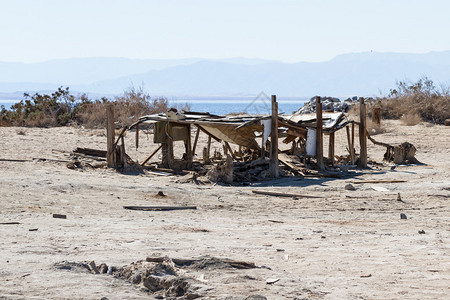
(287, 195)
(159, 208)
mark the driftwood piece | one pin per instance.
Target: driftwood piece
(400, 154)
(89, 151)
(202, 262)
(380, 181)
(58, 216)
(159, 208)
(287, 195)
(14, 160)
(93, 267)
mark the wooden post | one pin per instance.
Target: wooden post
(331, 148)
(137, 136)
(167, 147)
(352, 153)
(376, 116)
(208, 147)
(362, 134)
(110, 137)
(195, 141)
(319, 134)
(273, 163)
(351, 149)
(263, 148)
(188, 147)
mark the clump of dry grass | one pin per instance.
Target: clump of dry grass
(61, 108)
(128, 107)
(411, 119)
(417, 102)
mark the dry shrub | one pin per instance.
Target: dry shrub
(373, 128)
(134, 103)
(411, 119)
(421, 100)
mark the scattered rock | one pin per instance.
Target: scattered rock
(350, 187)
(422, 231)
(161, 194)
(403, 216)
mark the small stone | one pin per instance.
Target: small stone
(350, 187)
(403, 216)
(422, 231)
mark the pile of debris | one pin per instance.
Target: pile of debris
(328, 104)
(162, 276)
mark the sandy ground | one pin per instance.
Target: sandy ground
(346, 245)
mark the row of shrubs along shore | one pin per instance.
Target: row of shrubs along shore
(411, 102)
(61, 108)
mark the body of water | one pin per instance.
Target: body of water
(222, 107)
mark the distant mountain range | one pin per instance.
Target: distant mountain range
(364, 74)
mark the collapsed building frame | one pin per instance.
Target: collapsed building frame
(304, 132)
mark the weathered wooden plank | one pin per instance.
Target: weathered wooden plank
(273, 163)
(159, 208)
(287, 195)
(151, 155)
(362, 134)
(319, 134)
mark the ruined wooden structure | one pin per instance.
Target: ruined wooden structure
(255, 141)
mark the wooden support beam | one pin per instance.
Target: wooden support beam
(273, 163)
(188, 146)
(151, 155)
(352, 154)
(230, 150)
(209, 134)
(195, 141)
(287, 195)
(167, 147)
(331, 149)
(376, 116)
(110, 136)
(137, 136)
(263, 144)
(351, 149)
(207, 153)
(319, 134)
(362, 134)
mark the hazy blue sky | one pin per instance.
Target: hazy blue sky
(32, 30)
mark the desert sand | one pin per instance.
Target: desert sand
(345, 245)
